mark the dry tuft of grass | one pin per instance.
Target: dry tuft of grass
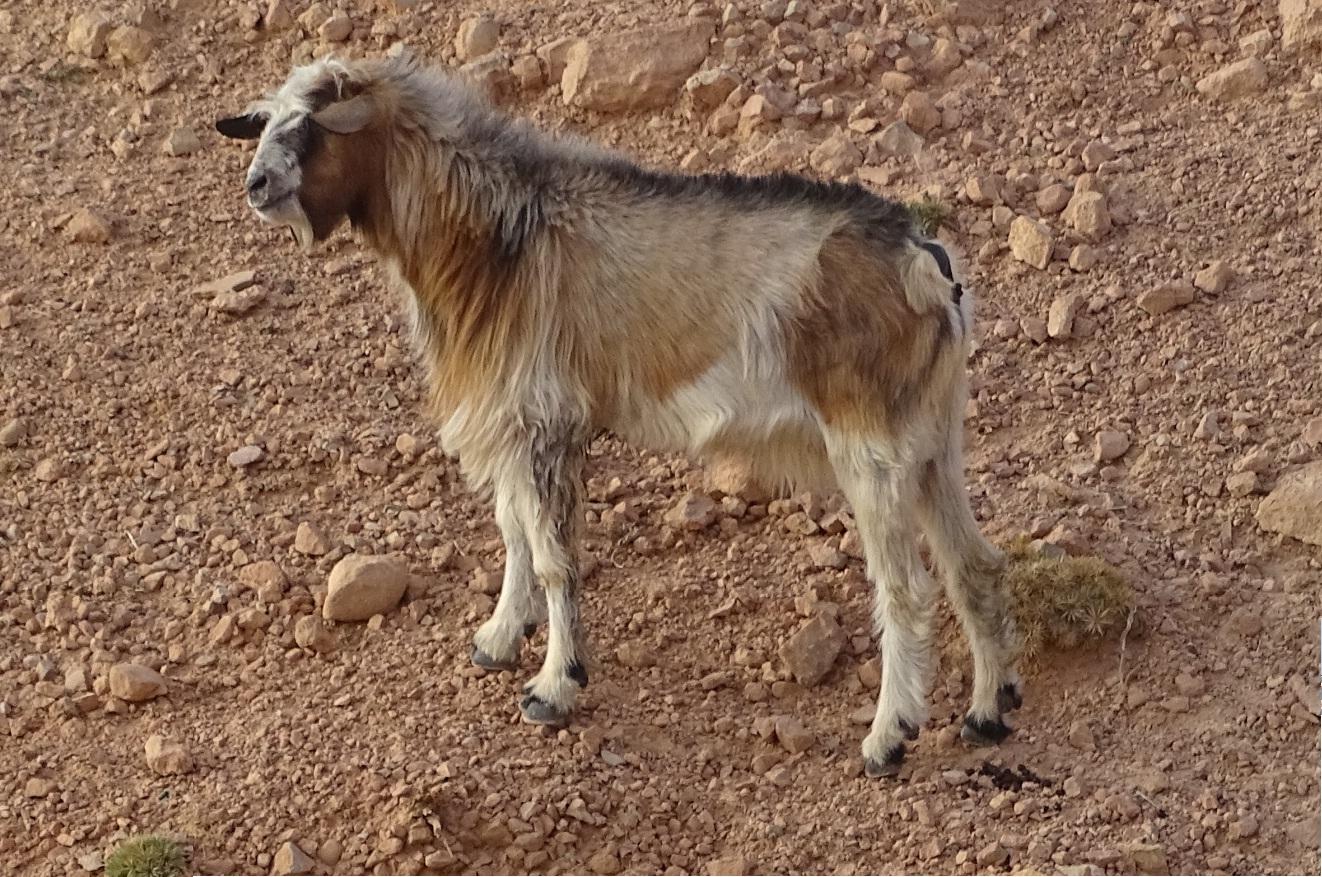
(147, 856)
(929, 215)
(1062, 602)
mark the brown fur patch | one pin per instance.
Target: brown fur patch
(857, 349)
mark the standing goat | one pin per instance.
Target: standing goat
(558, 290)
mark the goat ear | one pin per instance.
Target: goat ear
(246, 127)
(346, 116)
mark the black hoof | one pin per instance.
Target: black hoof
(984, 732)
(886, 767)
(536, 711)
(909, 730)
(486, 662)
(1008, 697)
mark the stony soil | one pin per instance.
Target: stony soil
(162, 442)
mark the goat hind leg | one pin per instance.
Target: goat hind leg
(882, 498)
(971, 568)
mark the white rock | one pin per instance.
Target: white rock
(167, 758)
(1031, 242)
(135, 683)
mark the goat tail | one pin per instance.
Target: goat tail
(931, 283)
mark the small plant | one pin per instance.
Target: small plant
(147, 856)
(1061, 602)
(929, 215)
(62, 72)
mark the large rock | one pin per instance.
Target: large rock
(634, 70)
(1294, 507)
(166, 757)
(135, 683)
(1087, 214)
(837, 156)
(1301, 23)
(1166, 297)
(1234, 81)
(1031, 242)
(87, 34)
(477, 36)
(361, 586)
(811, 652)
(129, 46)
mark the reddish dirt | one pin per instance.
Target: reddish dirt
(123, 528)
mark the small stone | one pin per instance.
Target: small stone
(1166, 297)
(239, 302)
(289, 859)
(182, 141)
(837, 156)
(309, 540)
(87, 34)
(992, 855)
(604, 862)
(1095, 154)
(278, 15)
(135, 683)
(310, 633)
(1244, 828)
(167, 758)
(87, 227)
(1294, 507)
(38, 787)
(709, 88)
(1031, 242)
(694, 511)
(900, 140)
(811, 652)
(1109, 444)
(1081, 737)
(1153, 782)
(13, 432)
(129, 46)
(793, 735)
(361, 586)
(246, 456)
(1035, 328)
(1243, 484)
(1087, 215)
(476, 37)
(1148, 858)
(1060, 318)
(1052, 199)
(733, 865)
(1240, 79)
(337, 28)
(1215, 278)
(919, 112)
(1083, 258)
(527, 72)
(822, 556)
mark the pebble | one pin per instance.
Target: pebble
(13, 432)
(1110, 444)
(1294, 506)
(811, 652)
(361, 586)
(129, 46)
(1060, 317)
(732, 865)
(289, 859)
(246, 456)
(822, 556)
(793, 735)
(476, 37)
(181, 142)
(1215, 278)
(1080, 736)
(167, 758)
(1238, 80)
(135, 683)
(87, 34)
(1166, 297)
(604, 862)
(88, 227)
(694, 511)
(309, 540)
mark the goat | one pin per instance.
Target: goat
(558, 290)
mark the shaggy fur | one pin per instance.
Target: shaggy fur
(558, 289)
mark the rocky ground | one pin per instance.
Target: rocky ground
(197, 423)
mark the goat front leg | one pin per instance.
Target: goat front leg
(521, 608)
(556, 456)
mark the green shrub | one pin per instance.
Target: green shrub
(1062, 602)
(147, 856)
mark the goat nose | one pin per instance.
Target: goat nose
(256, 183)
